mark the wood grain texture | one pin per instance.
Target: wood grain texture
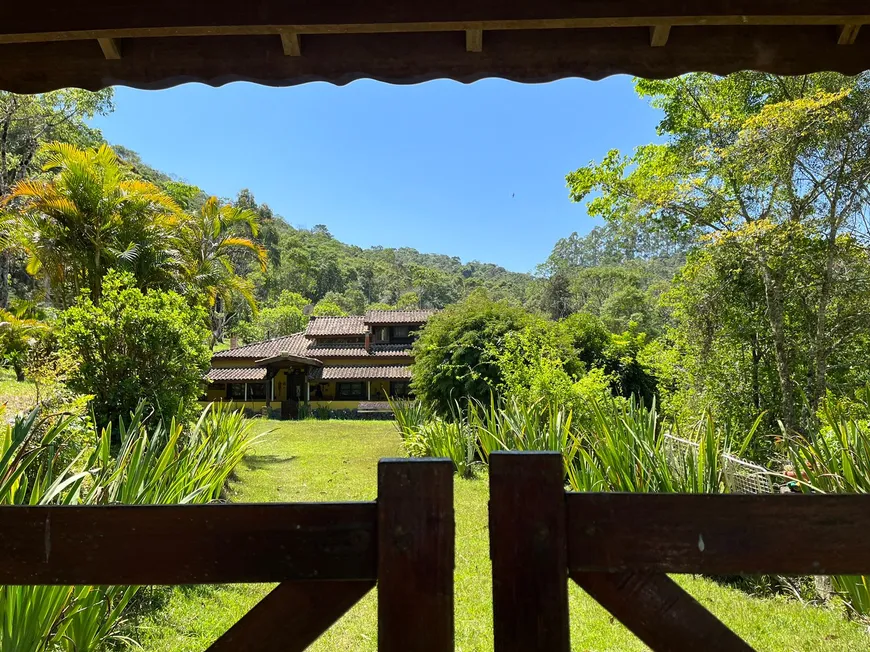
(415, 556)
(525, 56)
(660, 612)
(719, 534)
(292, 616)
(527, 547)
(847, 34)
(201, 544)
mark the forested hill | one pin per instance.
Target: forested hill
(316, 265)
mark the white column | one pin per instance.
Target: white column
(368, 390)
(246, 392)
(307, 390)
(273, 389)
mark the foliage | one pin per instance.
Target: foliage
(135, 346)
(455, 356)
(326, 308)
(90, 217)
(776, 171)
(160, 465)
(18, 336)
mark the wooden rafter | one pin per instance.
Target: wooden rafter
(848, 34)
(658, 35)
(290, 43)
(111, 47)
(474, 40)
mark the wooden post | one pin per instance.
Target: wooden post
(528, 547)
(415, 555)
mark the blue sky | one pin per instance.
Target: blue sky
(475, 171)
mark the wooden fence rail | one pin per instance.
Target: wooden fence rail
(325, 556)
(619, 547)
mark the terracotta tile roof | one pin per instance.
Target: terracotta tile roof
(293, 344)
(323, 326)
(325, 351)
(398, 316)
(362, 372)
(246, 375)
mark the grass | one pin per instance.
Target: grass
(17, 396)
(337, 460)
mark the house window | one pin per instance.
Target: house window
(400, 389)
(382, 334)
(400, 333)
(258, 391)
(350, 391)
(236, 391)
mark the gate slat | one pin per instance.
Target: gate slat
(660, 612)
(187, 544)
(292, 616)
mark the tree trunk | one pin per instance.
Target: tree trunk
(4, 280)
(19, 372)
(776, 317)
(821, 349)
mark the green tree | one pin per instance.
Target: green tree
(408, 301)
(769, 163)
(29, 121)
(456, 355)
(327, 308)
(134, 346)
(208, 240)
(90, 217)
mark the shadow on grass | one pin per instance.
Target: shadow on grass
(259, 462)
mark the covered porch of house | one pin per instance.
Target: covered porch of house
(278, 384)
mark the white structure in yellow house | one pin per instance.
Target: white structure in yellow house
(338, 363)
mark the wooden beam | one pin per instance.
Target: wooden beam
(719, 534)
(416, 551)
(111, 47)
(292, 616)
(291, 45)
(187, 544)
(57, 21)
(658, 35)
(660, 612)
(474, 40)
(848, 34)
(528, 552)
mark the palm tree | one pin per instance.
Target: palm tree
(17, 336)
(92, 216)
(208, 241)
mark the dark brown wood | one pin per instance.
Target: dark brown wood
(292, 616)
(848, 34)
(527, 547)
(415, 555)
(130, 18)
(201, 544)
(527, 56)
(660, 612)
(719, 534)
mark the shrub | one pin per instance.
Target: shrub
(135, 346)
(455, 356)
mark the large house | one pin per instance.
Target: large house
(338, 363)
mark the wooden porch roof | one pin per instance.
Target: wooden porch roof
(161, 43)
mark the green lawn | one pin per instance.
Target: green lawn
(319, 461)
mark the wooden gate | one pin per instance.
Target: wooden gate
(326, 556)
(620, 547)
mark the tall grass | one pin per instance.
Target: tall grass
(154, 465)
(836, 460)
